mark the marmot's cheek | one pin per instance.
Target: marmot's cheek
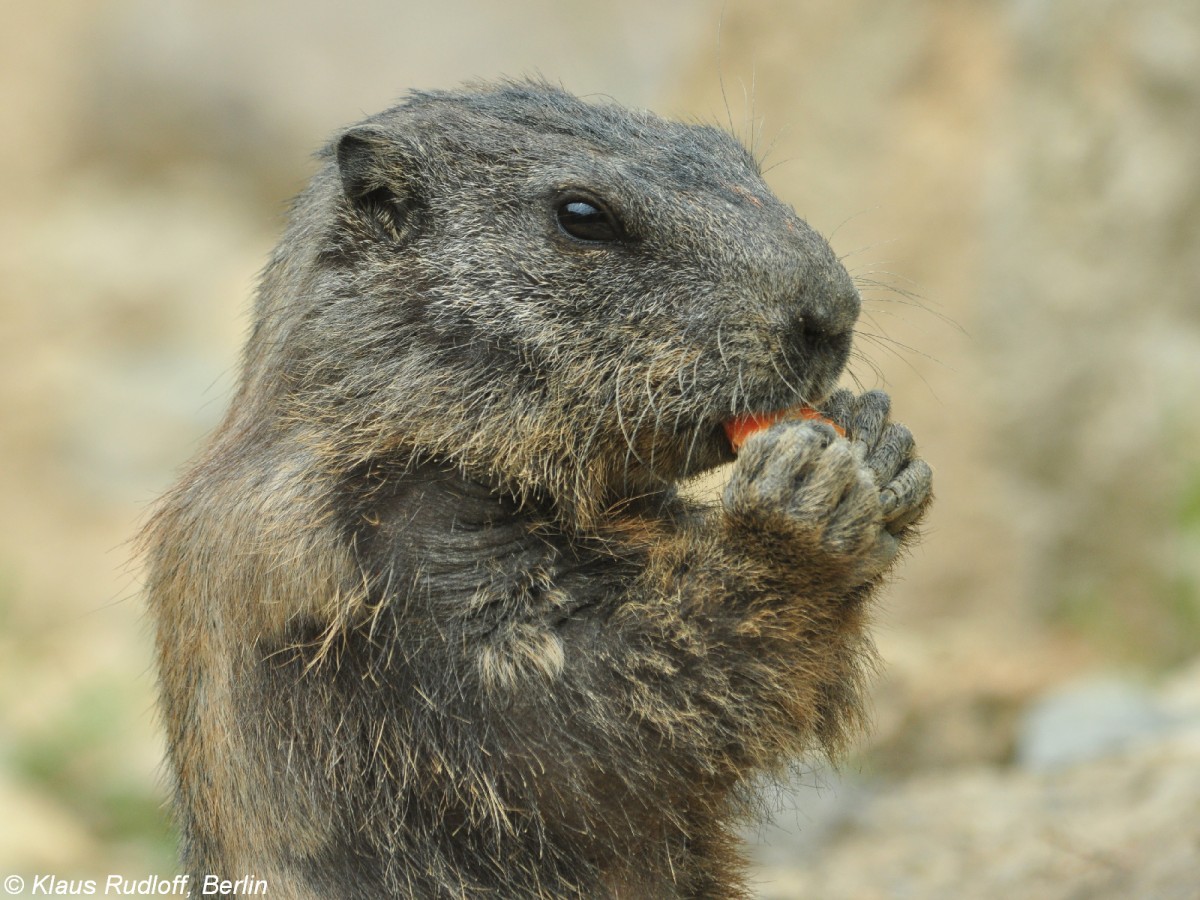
(740, 428)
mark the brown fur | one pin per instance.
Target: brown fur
(432, 619)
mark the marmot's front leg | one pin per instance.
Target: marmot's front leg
(839, 508)
(776, 581)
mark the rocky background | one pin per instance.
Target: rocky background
(1015, 185)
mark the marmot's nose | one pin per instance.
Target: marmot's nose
(826, 310)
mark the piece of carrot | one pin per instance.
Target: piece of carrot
(739, 428)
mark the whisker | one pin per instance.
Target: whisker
(687, 457)
(892, 294)
(762, 158)
(721, 74)
(858, 381)
(593, 433)
(847, 221)
(631, 449)
(858, 356)
(787, 160)
(649, 410)
(775, 365)
(891, 344)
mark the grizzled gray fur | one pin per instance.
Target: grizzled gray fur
(432, 619)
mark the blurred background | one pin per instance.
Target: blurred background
(1015, 185)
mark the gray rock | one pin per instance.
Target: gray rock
(1087, 720)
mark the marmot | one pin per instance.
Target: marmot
(433, 619)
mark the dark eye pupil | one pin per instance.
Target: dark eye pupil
(585, 221)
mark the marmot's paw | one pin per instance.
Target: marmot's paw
(801, 479)
(905, 482)
(851, 500)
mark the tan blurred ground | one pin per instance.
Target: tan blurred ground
(1014, 183)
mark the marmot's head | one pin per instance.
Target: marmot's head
(563, 297)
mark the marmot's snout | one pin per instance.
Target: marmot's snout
(827, 315)
(820, 318)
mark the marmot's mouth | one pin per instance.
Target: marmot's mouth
(739, 429)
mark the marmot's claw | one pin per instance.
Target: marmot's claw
(907, 495)
(864, 417)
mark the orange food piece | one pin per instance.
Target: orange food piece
(739, 429)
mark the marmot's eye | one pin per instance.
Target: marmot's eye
(587, 220)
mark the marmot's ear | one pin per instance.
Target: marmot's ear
(377, 178)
